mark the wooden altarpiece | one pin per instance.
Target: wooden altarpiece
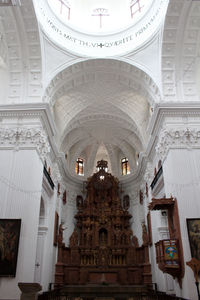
(102, 247)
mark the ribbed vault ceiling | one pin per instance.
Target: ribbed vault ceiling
(102, 110)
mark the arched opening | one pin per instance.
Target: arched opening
(103, 237)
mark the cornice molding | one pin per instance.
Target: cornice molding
(30, 110)
(42, 112)
(162, 111)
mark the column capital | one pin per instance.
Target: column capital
(177, 138)
(23, 137)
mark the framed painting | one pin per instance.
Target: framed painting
(193, 226)
(149, 228)
(55, 239)
(9, 242)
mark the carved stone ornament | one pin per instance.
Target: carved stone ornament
(177, 138)
(148, 176)
(25, 138)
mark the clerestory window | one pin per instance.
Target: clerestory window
(125, 167)
(79, 167)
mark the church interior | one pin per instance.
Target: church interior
(99, 149)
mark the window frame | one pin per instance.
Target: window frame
(79, 167)
(125, 166)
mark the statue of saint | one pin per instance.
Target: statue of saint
(145, 237)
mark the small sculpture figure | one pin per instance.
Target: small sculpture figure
(60, 235)
(126, 202)
(145, 237)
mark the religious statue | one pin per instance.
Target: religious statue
(145, 237)
(126, 202)
(60, 235)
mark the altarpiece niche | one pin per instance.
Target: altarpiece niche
(102, 247)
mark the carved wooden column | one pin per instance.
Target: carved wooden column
(29, 290)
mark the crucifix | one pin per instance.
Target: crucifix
(67, 5)
(135, 6)
(100, 12)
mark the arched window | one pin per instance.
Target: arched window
(79, 167)
(125, 166)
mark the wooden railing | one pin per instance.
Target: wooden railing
(51, 295)
(151, 295)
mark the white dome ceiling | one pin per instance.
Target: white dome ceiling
(100, 28)
(101, 108)
(100, 16)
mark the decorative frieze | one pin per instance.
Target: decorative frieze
(186, 138)
(25, 138)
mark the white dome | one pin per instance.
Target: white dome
(100, 28)
(100, 16)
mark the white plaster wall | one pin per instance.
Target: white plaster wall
(69, 210)
(182, 180)
(3, 82)
(159, 232)
(69, 222)
(47, 251)
(135, 209)
(20, 185)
